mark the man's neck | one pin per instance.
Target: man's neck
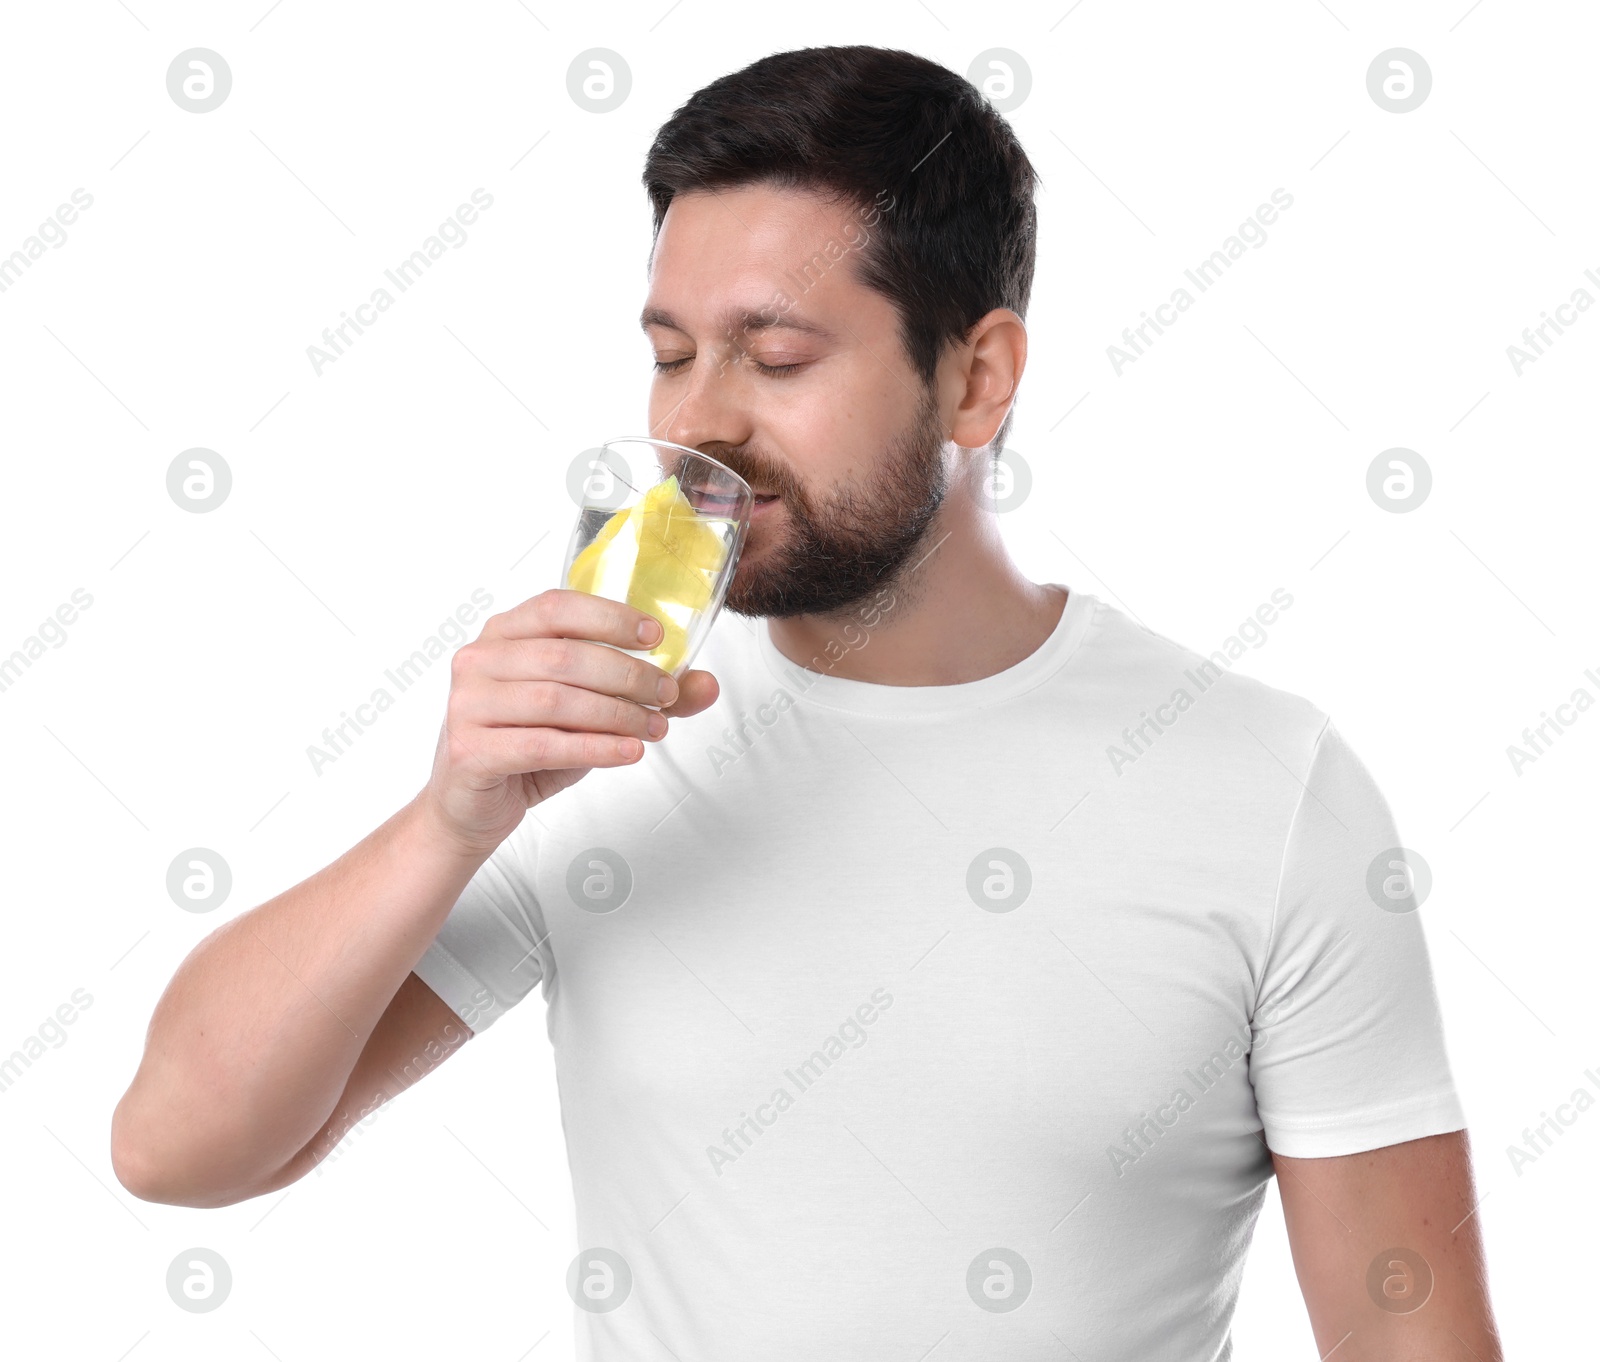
(959, 610)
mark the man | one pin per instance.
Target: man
(951, 961)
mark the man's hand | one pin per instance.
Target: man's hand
(1388, 1253)
(536, 703)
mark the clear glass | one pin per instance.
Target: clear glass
(661, 526)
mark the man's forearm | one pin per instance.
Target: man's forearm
(251, 1045)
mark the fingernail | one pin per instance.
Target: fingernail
(656, 725)
(666, 690)
(647, 631)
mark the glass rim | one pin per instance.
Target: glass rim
(686, 449)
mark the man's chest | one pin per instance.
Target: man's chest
(750, 986)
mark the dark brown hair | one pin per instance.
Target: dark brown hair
(873, 126)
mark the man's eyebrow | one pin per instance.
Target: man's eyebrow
(746, 320)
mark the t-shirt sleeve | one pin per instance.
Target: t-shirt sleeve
(1348, 1049)
(493, 948)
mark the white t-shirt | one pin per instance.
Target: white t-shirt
(890, 1017)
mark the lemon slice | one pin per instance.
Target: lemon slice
(662, 557)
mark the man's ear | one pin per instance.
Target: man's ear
(988, 369)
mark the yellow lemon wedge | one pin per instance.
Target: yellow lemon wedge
(662, 557)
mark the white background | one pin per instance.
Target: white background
(368, 503)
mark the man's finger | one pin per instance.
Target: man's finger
(697, 691)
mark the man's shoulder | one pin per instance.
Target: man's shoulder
(1162, 683)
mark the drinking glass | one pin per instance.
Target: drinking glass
(660, 526)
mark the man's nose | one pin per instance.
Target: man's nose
(711, 409)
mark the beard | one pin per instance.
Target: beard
(835, 553)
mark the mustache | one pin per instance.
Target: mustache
(753, 467)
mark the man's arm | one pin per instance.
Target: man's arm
(253, 1048)
(251, 1057)
(417, 1032)
(1387, 1250)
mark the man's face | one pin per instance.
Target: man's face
(844, 435)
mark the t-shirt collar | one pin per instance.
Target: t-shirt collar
(814, 685)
